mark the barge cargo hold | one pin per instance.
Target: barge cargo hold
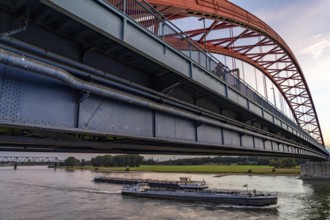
(183, 183)
(210, 196)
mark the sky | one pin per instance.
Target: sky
(305, 27)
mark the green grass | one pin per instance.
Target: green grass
(226, 169)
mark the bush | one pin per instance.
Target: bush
(283, 163)
(71, 161)
(132, 160)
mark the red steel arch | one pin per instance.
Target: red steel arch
(250, 40)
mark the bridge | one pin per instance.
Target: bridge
(122, 76)
(22, 160)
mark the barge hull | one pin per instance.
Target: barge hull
(239, 201)
(151, 183)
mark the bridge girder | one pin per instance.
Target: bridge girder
(269, 53)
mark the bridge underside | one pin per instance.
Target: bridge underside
(72, 83)
(10, 143)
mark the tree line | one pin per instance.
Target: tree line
(131, 160)
(135, 160)
(242, 160)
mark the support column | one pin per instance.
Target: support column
(315, 170)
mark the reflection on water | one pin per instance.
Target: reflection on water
(42, 193)
(317, 203)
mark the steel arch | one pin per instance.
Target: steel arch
(250, 40)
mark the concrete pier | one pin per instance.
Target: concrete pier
(316, 170)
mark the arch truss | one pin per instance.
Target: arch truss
(230, 30)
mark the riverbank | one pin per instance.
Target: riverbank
(215, 169)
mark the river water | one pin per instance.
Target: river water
(42, 193)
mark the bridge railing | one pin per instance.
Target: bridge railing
(154, 21)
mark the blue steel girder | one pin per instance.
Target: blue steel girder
(224, 15)
(29, 65)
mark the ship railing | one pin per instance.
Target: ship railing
(253, 193)
(162, 189)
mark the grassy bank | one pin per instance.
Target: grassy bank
(225, 169)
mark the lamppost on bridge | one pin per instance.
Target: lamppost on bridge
(272, 88)
(204, 36)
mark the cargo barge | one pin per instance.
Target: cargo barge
(183, 183)
(209, 196)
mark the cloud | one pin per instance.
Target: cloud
(317, 36)
(304, 25)
(316, 49)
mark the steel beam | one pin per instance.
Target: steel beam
(170, 123)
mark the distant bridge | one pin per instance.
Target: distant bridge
(118, 76)
(22, 159)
